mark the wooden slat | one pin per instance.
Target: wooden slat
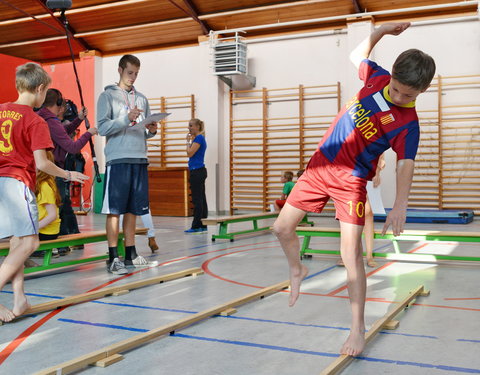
(52, 305)
(343, 360)
(143, 338)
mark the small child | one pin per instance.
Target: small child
(48, 201)
(288, 185)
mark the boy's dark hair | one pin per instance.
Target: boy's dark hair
(133, 60)
(414, 68)
(53, 97)
(288, 175)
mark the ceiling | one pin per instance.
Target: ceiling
(28, 29)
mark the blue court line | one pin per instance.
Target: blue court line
(236, 317)
(102, 325)
(34, 295)
(318, 273)
(324, 354)
(281, 348)
(465, 340)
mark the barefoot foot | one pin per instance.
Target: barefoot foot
(5, 314)
(371, 263)
(20, 306)
(296, 279)
(340, 263)
(354, 345)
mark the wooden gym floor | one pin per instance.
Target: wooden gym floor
(439, 334)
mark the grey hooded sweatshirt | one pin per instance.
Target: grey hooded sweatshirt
(125, 143)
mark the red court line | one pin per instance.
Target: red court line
(336, 291)
(462, 299)
(15, 343)
(206, 269)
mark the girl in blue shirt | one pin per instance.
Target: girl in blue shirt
(196, 146)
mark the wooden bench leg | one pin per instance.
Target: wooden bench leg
(305, 245)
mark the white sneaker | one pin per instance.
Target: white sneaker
(140, 261)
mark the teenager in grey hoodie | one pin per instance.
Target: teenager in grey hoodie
(120, 109)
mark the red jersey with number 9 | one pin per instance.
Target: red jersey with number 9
(22, 132)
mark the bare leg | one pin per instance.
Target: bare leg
(284, 229)
(351, 250)
(129, 225)
(112, 230)
(369, 232)
(20, 302)
(12, 269)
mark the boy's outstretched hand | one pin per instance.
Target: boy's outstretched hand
(395, 218)
(77, 177)
(395, 28)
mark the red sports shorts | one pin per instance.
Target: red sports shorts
(323, 180)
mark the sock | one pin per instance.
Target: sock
(112, 253)
(130, 252)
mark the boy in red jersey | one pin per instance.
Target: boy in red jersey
(382, 115)
(24, 137)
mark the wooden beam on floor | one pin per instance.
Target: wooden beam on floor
(343, 360)
(142, 338)
(114, 290)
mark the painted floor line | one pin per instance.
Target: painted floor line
(324, 354)
(282, 348)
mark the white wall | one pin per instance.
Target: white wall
(287, 63)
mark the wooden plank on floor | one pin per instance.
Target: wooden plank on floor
(52, 305)
(343, 360)
(142, 338)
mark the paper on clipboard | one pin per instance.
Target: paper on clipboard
(375, 198)
(154, 117)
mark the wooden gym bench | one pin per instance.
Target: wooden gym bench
(254, 218)
(71, 240)
(407, 235)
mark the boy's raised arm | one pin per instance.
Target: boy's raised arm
(364, 48)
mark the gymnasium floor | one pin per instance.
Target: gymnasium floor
(439, 334)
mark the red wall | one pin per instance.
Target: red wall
(8, 93)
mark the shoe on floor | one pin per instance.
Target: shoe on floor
(203, 229)
(116, 267)
(30, 263)
(77, 247)
(139, 261)
(63, 251)
(152, 244)
(55, 253)
(193, 230)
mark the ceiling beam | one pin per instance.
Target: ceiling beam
(192, 12)
(357, 6)
(66, 27)
(206, 29)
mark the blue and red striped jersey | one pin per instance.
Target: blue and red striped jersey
(369, 124)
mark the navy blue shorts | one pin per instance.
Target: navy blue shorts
(126, 189)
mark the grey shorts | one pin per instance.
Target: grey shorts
(18, 209)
